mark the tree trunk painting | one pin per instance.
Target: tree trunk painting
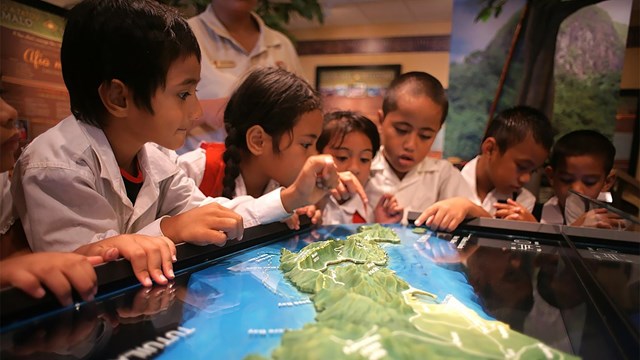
(539, 40)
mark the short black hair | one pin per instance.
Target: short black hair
(419, 84)
(338, 124)
(581, 143)
(134, 41)
(511, 127)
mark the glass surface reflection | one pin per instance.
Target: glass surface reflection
(581, 210)
(241, 304)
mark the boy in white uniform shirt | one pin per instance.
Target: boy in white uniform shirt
(413, 110)
(581, 160)
(233, 40)
(516, 143)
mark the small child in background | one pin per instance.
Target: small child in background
(273, 120)
(413, 111)
(516, 143)
(353, 140)
(581, 160)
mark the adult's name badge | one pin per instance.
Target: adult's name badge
(224, 64)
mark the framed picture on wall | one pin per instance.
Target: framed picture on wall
(359, 88)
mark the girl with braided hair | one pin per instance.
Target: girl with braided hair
(273, 120)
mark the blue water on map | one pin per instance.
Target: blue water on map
(240, 304)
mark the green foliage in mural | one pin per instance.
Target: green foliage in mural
(587, 81)
(472, 85)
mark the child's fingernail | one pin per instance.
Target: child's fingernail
(147, 281)
(39, 293)
(174, 258)
(171, 274)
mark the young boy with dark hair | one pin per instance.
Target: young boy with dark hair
(582, 161)
(516, 143)
(413, 111)
(131, 68)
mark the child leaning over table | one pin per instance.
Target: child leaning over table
(413, 111)
(105, 170)
(582, 161)
(515, 145)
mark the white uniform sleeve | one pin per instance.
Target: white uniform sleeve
(64, 209)
(527, 199)
(193, 164)
(266, 209)
(452, 184)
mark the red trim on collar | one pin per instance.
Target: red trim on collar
(134, 179)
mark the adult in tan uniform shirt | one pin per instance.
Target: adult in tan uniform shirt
(233, 40)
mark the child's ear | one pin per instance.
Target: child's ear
(489, 145)
(256, 140)
(380, 116)
(548, 170)
(609, 181)
(114, 95)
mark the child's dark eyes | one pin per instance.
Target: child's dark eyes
(365, 160)
(425, 137)
(566, 180)
(590, 182)
(401, 131)
(184, 95)
(526, 168)
(341, 158)
(306, 146)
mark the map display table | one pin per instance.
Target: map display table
(340, 292)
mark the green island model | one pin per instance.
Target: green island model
(365, 311)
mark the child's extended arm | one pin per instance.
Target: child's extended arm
(150, 257)
(448, 214)
(313, 212)
(59, 272)
(513, 210)
(318, 178)
(208, 224)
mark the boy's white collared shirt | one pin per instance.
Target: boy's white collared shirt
(430, 181)
(551, 212)
(524, 198)
(68, 191)
(6, 204)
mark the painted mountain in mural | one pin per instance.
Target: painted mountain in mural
(589, 57)
(588, 45)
